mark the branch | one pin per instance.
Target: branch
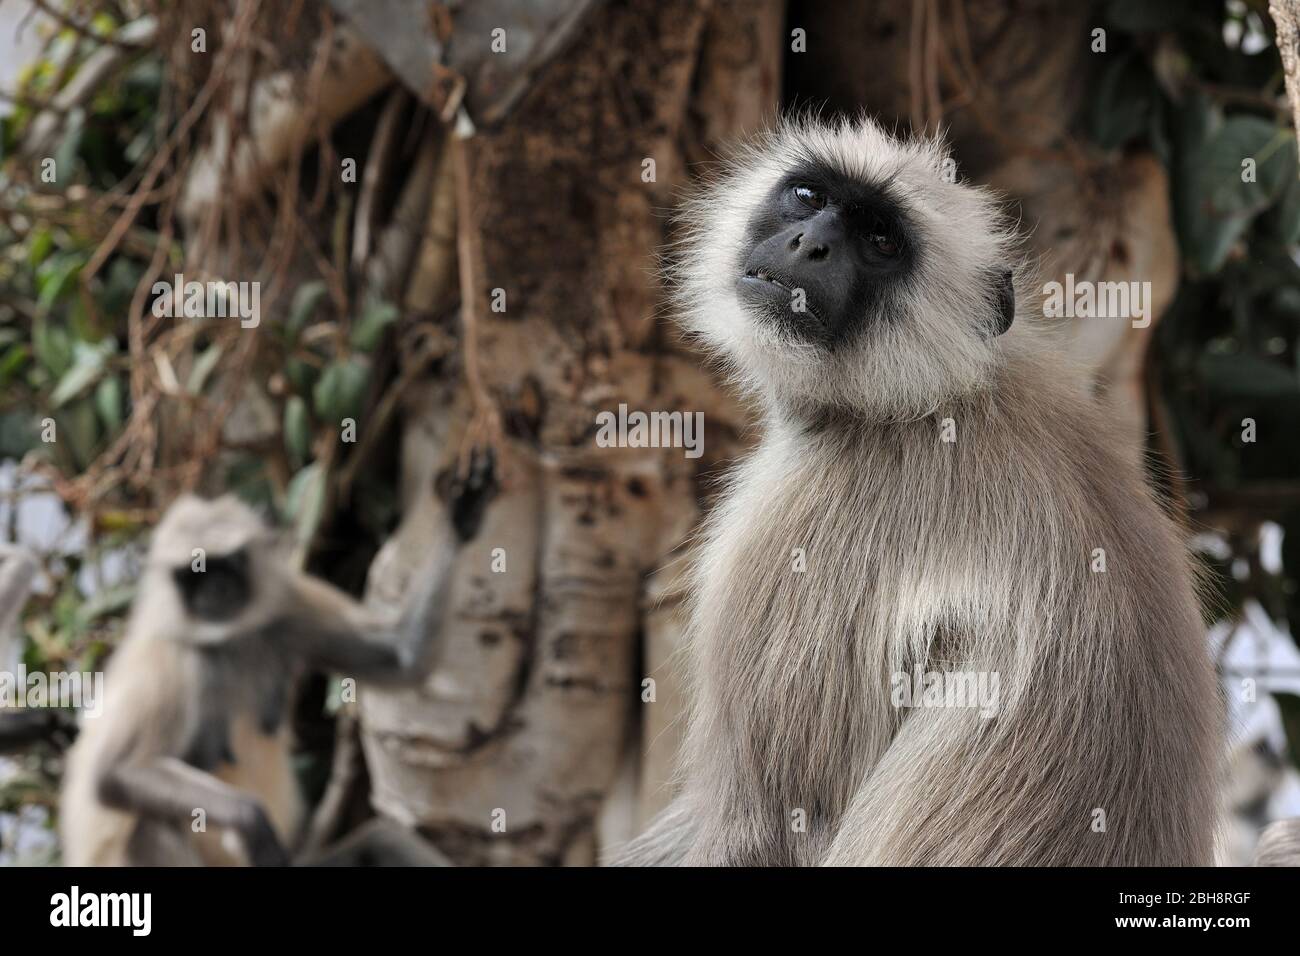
(127, 42)
(90, 79)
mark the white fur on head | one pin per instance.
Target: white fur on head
(931, 339)
(218, 527)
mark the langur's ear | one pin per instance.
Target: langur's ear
(1004, 300)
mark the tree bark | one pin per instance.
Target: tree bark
(1286, 19)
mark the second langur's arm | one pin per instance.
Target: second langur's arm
(336, 637)
(170, 790)
(332, 631)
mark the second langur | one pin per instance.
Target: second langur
(195, 722)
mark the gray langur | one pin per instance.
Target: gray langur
(195, 720)
(936, 495)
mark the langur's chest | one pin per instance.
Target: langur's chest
(243, 737)
(246, 688)
(795, 621)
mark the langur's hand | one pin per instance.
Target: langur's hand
(469, 494)
(260, 839)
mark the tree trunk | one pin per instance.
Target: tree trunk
(507, 754)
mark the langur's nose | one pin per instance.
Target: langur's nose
(813, 244)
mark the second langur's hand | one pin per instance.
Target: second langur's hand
(260, 839)
(469, 494)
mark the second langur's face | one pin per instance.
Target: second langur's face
(210, 567)
(218, 592)
(836, 266)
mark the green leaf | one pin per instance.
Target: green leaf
(203, 366)
(304, 305)
(66, 154)
(302, 374)
(1239, 140)
(1214, 204)
(305, 502)
(55, 275)
(334, 694)
(297, 429)
(87, 366)
(339, 392)
(109, 403)
(52, 345)
(42, 243)
(105, 602)
(124, 275)
(19, 434)
(78, 429)
(1125, 102)
(370, 327)
(12, 361)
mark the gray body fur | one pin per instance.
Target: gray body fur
(973, 555)
(1279, 844)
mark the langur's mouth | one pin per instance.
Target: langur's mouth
(763, 274)
(773, 295)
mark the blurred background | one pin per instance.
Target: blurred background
(455, 213)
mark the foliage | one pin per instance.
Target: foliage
(1200, 83)
(142, 409)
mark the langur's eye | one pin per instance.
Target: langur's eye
(810, 197)
(885, 246)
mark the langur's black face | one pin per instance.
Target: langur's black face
(824, 249)
(218, 593)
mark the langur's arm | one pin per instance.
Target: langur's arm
(170, 790)
(665, 841)
(379, 842)
(330, 630)
(1279, 844)
(348, 645)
